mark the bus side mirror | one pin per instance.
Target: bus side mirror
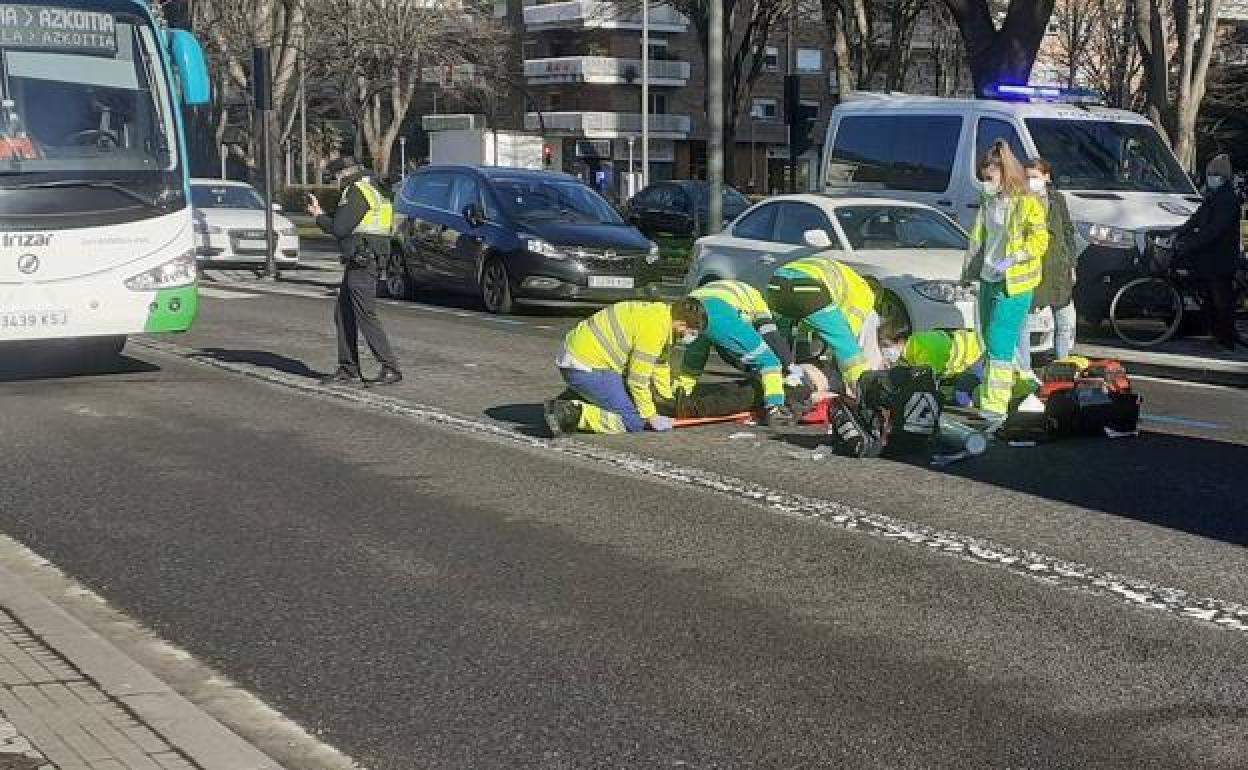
(188, 59)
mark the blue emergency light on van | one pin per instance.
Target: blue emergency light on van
(1051, 94)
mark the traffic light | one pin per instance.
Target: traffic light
(800, 117)
(548, 155)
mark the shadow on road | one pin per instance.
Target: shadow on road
(1191, 485)
(18, 364)
(261, 358)
(527, 418)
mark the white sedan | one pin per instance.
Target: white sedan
(912, 254)
(229, 225)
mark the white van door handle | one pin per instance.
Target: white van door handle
(973, 206)
(944, 202)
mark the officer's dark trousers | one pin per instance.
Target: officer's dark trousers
(356, 313)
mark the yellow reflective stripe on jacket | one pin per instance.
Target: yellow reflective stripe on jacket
(605, 326)
(742, 297)
(965, 352)
(380, 217)
(850, 291)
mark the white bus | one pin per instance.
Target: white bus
(96, 239)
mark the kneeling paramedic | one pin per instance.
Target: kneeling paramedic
(957, 359)
(828, 298)
(742, 330)
(611, 361)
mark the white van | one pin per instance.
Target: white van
(1120, 178)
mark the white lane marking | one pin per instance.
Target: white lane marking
(1186, 383)
(205, 291)
(1182, 421)
(1019, 561)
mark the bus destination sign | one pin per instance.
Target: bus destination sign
(58, 29)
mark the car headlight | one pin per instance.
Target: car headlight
(653, 255)
(1107, 235)
(945, 291)
(179, 271)
(543, 249)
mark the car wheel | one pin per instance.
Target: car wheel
(496, 287)
(397, 283)
(891, 309)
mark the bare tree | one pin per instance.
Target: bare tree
(1113, 65)
(1077, 23)
(376, 53)
(748, 26)
(1004, 53)
(871, 41)
(1176, 76)
(231, 29)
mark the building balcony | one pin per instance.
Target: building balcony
(602, 69)
(607, 125)
(601, 14)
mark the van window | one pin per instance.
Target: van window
(1107, 155)
(467, 190)
(896, 152)
(992, 129)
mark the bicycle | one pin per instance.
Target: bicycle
(1149, 310)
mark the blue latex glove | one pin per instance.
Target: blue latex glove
(963, 399)
(661, 424)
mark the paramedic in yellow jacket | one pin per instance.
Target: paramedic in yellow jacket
(956, 358)
(740, 327)
(612, 361)
(830, 299)
(1008, 243)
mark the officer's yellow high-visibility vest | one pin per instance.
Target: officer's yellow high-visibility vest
(380, 217)
(631, 338)
(849, 291)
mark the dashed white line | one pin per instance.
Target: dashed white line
(205, 291)
(1059, 573)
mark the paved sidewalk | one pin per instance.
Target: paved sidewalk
(1189, 359)
(69, 700)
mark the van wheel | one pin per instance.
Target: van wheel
(496, 287)
(891, 309)
(397, 284)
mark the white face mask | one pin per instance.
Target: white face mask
(1038, 185)
(1214, 181)
(991, 188)
(891, 354)
(688, 338)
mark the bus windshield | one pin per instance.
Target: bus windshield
(1106, 155)
(84, 95)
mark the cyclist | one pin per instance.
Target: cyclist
(1209, 243)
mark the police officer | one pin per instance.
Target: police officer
(361, 225)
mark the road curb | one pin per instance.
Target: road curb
(201, 738)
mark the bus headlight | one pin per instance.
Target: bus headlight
(179, 271)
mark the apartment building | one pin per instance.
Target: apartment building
(582, 87)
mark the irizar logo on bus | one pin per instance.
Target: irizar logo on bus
(27, 240)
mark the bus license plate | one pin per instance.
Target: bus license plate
(610, 282)
(34, 319)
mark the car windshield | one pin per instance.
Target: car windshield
(546, 200)
(877, 228)
(92, 101)
(732, 198)
(225, 197)
(1105, 155)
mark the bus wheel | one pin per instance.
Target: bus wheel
(103, 349)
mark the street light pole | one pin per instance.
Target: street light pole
(715, 108)
(645, 93)
(402, 157)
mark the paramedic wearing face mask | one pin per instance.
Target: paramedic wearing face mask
(1006, 253)
(611, 362)
(1057, 285)
(1210, 243)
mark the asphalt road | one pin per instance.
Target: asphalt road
(410, 574)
